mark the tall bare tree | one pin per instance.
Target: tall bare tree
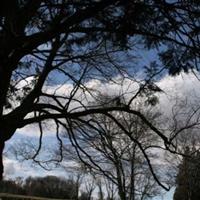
(122, 158)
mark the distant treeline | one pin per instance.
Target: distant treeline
(7, 196)
(49, 187)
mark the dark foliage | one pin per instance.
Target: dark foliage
(188, 178)
(9, 186)
(49, 186)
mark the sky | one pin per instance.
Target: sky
(184, 86)
(165, 195)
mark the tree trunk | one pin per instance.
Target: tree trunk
(121, 191)
(132, 182)
(2, 143)
(5, 127)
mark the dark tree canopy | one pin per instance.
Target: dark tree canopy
(52, 42)
(188, 184)
(50, 186)
(8, 186)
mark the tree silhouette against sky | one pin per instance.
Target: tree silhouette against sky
(53, 42)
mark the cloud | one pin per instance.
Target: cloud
(13, 169)
(32, 130)
(181, 95)
(10, 167)
(183, 86)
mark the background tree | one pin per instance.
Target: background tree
(10, 186)
(187, 182)
(81, 41)
(119, 157)
(89, 188)
(49, 186)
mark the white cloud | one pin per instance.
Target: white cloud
(14, 168)
(182, 86)
(32, 130)
(181, 95)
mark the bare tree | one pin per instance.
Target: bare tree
(117, 156)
